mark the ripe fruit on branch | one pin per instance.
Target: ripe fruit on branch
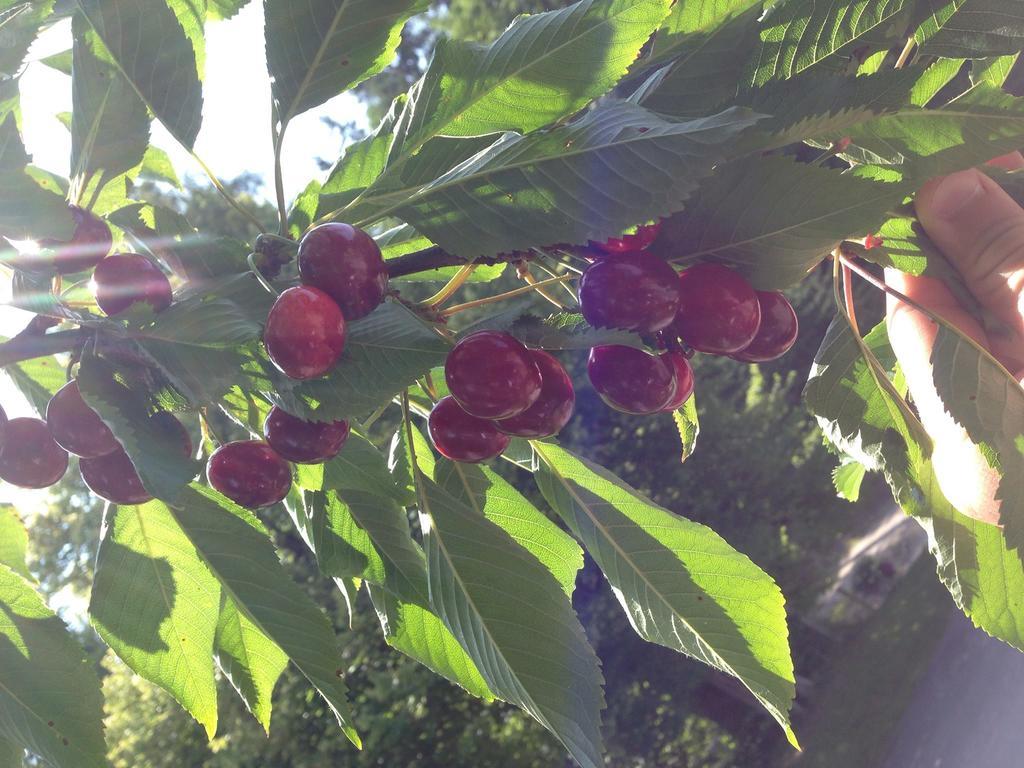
(778, 331)
(76, 427)
(305, 333)
(718, 310)
(553, 408)
(460, 436)
(644, 235)
(250, 473)
(492, 375)
(630, 380)
(635, 292)
(90, 242)
(122, 280)
(113, 477)
(344, 262)
(29, 456)
(304, 442)
(684, 379)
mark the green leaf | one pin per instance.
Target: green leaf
(13, 541)
(708, 71)
(988, 402)
(157, 166)
(10, 755)
(385, 353)
(847, 478)
(994, 71)
(157, 45)
(541, 69)
(155, 603)
(562, 331)
(237, 549)
(249, 659)
(529, 191)
(201, 322)
(688, 425)
(855, 414)
(220, 10)
(50, 699)
(157, 456)
(485, 492)
(31, 207)
(110, 123)
(318, 49)
(799, 34)
(513, 619)
(20, 21)
(62, 62)
(416, 631)
(38, 380)
(691, 29)
(979, 125)
(681, 584)
(969, 29)
(774, 219)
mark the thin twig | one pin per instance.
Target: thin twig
(278, 137)
(23, 348)
(453, 285)
(905, 54)
(228, 197)
(504, 296)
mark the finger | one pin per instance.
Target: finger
(1011, 162)
(963, 474)
(980, 229)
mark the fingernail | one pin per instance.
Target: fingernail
(955, 193)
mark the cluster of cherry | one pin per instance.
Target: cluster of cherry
(498, 388)
(343, 278)
(706, 308)
(33, 452)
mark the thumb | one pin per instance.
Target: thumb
(980, 229)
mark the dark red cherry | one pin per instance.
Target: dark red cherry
(123, 280)
(778, 331)
(492, 375)
(301, 441)
(90, 242)
(29, 456)
(76, 427)
(630, 380)
(463, 437)
(635, 292)
(718, 310)
(305, 333)
(553, 408)
(631, 242)
(113, 477)
(250, 473)
(346, 263)
(684, 379)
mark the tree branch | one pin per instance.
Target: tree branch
(437, 258)
(27, 347)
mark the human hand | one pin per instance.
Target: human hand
(980, 229)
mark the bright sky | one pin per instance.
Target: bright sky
(235, 139)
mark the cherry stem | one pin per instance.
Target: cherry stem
(537, 286)
(453, 285)
(278, 137)
(851, 308)
(219, 186)
(259, 276)
(905, 54)
(531, 280)
(852, 265)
